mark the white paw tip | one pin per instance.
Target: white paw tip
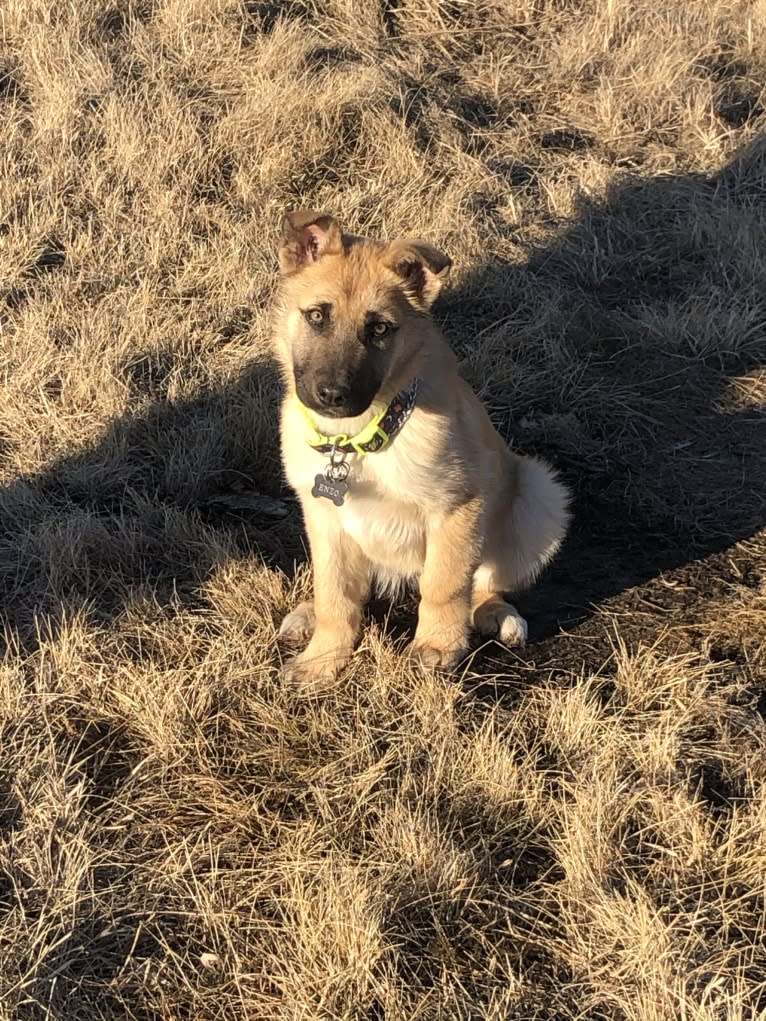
(513, 630)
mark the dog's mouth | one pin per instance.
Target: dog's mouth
(348, 409)
(334, 398)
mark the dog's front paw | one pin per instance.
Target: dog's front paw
(314, 671)
(433, 657)
(308, 678)
(298, 625)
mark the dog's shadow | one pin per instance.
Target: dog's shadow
(664, 451)
(646, 395)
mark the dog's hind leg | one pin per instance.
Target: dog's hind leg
(493, 617)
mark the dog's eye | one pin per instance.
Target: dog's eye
(377, 331)
(315, 316)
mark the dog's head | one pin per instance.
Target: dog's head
(353, 312)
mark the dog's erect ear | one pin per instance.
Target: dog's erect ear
(306, 237)
(422, 268)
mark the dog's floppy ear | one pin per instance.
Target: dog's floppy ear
(422, 268)
(306, 237)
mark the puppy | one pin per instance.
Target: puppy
(399, 471)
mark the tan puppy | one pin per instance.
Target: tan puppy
(400, 473)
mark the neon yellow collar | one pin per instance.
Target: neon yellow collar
(378, 432)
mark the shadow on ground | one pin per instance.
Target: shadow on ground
(659, 294)
(148, 511)
(656, 305)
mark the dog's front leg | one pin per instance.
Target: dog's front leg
(444, 615)
(341, 588)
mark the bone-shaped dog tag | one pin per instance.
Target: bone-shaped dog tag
(334, 491)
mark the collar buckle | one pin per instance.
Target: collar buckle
(378, 440)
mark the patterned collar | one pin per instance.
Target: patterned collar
(377, 434)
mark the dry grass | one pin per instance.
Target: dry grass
(577, 831)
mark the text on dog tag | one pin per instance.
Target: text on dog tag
(324, 487)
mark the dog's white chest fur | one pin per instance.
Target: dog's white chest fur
(385, 521)
(386, 506)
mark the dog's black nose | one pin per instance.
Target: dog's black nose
(333, 396)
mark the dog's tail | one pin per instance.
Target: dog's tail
(539, 520)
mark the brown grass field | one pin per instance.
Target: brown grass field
(576, 830)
